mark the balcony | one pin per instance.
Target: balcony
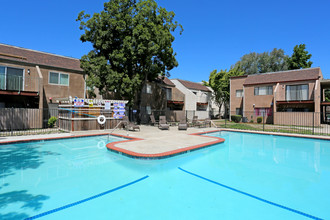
(295, 94)
(13, 84)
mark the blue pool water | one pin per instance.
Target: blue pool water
(249, 176)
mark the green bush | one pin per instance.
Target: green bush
(236, 118)
(251, 121)
(51, 121)
(259, 119)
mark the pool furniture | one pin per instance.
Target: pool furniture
(207, 122)
(195, 122)
(183, 124)
(162, 123)
(152, 120)
(130, 125)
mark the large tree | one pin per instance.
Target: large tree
(220, 84)
(132, 44)
(215, 83)
(273, 61)
(300, 58)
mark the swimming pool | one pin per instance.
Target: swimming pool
(249, 176)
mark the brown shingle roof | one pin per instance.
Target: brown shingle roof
(23, 55)
(283, 76)
(168, 82)
(193, 85)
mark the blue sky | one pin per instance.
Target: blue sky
(216, 33)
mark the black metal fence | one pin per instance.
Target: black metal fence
(24, 121)
(27, 121)
(175, 116)
(311, 123)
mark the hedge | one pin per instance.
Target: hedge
(236, 118)
(259, 119)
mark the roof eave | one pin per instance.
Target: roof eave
(284, 81)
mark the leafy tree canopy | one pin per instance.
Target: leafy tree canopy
(132, 43)
(327, 95)
(253, 63)
(300, 58)
(220, 84)
(275, 61)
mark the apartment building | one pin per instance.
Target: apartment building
(198, 98)
(33, 79)
(275, 95)
(161, 97)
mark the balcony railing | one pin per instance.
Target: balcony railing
(19, 83)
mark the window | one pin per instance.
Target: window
(263, 90)
(11, 78)
(297, 92)
(148, 89)
(2, 77)
(239, 93)
(58, 78)
(53, 78)
(263, 111)
(168, 94)
(64, 79)
(201, 107)
(148, 110)
(238, 111)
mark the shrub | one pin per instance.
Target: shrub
(51, 121)
(259, 119)
(251, 121)
(236, 118)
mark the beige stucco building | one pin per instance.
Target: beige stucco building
(278, 95)
(198, 98)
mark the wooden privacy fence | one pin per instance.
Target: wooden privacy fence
(85, 119)
(24, 121)
(20, 118)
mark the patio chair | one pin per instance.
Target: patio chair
(183, 124)
(207, 122)
(152, 120)
(162, 123)
(130, 125)
(195, 122)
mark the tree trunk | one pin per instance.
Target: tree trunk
(220, 111)
(139, 101)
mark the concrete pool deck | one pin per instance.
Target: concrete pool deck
(152, 142)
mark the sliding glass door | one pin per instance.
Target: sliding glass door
(297, 92)
(11, 78)
(2, 78)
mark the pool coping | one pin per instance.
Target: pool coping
(54, 138)
(111, 147)
(278, 134)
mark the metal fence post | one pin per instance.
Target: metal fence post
(313, 122)
(263, 121)
(12, 120)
